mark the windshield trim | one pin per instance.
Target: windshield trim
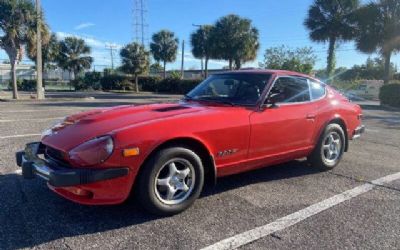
(268, 77)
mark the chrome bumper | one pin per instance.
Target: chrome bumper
(358, 132)
(60, 176)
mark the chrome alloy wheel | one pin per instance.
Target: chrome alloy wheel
(332, 147)
(175, 181)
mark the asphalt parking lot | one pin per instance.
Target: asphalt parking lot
(31, 216)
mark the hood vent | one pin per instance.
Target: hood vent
(170, 108)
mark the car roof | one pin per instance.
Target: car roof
(270, 72)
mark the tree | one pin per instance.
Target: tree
(202, 44)
(135, 60)
(331, 21)
(17, 20)
(378, 30)
(155, 68)
(50, 49)
(373, 69)
(164, 47)
(300, 60)
(74, 55)
(234, 39)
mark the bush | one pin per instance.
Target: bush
(90, 81)
(115, 82)
(24, 85)
(389, 94)
(149, 83)
(93, 80)
(176, 86)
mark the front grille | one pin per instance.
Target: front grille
(55, 155)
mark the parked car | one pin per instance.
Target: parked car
(165, 153)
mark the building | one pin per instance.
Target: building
(24, 71)
(28, 72)
(368, 89)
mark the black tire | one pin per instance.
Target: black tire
(147, 191)
(319, 157)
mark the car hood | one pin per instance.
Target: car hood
(84, 126)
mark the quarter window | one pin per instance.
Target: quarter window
(317, 90)
(291, 89)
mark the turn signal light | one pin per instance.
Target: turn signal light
(80, 192)
(129, 152)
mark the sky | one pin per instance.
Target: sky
(101, 23)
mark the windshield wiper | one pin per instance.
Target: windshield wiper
(216, 100)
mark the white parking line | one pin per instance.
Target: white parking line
(33, 119)
(18, 136)
(294, 218)
(39, 110)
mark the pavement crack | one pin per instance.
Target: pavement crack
(274, 235)
(364, 181)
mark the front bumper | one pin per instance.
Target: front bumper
(358, 131)
(61, 176)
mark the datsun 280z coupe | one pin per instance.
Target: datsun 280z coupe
(164, 153)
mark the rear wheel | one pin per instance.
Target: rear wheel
(330, 148)
(171, 181)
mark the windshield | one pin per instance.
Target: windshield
(235, 89)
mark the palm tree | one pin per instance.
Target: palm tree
(202, 44)
(234, 39)
(50, 47)
(378, 25)
(331, 21)
(135, 60)
(74, 55)
(164, 47)
(17, 20)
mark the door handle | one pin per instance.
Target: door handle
(310, 117)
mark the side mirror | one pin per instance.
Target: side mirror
(274, 98)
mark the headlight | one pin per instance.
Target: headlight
(92, 152)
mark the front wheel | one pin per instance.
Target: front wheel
(330, 148)
(170, 181)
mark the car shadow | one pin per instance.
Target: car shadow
(31, 215)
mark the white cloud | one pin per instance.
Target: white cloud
(91, 41)
(83, 26)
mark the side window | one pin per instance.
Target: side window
(317, 90)
(291, 89)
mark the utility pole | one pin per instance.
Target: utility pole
(111, 47)
(183, 59)
(39, 68)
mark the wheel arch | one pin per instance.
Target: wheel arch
(195, 145)
(337, 120)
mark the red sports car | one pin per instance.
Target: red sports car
(164, 153)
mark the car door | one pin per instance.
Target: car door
(287, 128)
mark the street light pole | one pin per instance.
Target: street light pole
(183, 60)
(39, 68)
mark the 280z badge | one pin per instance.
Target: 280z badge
(227, 152)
